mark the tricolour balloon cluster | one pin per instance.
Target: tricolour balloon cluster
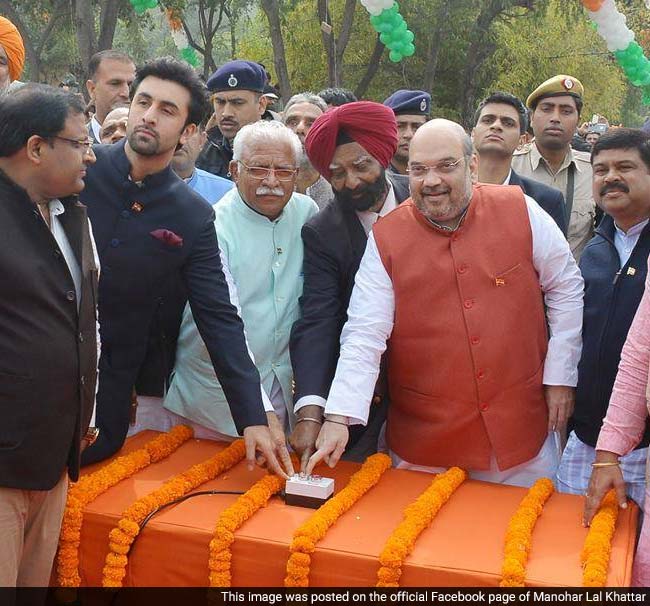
(391, 27)
(142, 6)
(187, 53)
(612, 26)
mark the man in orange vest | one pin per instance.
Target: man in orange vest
(463, 278)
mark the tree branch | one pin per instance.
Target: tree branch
(346, 30)
(371, 70)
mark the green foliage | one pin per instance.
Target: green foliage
(532, 50)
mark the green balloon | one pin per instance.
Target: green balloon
(409, 49)
(395, 57)
(409, 36)
(385, 38)
(398, 46)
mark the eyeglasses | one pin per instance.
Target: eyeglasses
(262, 172)
(86, 144)
(419, 171)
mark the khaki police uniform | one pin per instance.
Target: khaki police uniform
(528, 162)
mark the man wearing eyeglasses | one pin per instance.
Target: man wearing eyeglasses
(351, 146)
(258, 224)
(458, 278)
(48, 333)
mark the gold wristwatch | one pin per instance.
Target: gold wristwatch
(91, 436)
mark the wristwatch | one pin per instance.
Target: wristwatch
(91, 436)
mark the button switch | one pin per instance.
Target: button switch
(462, 268)
(70, 296)
(125, 214)
(484, 406)
(82, 380)
(81, 337)
(480, 374)
(475, 340)
(115, 242)
(468, 304)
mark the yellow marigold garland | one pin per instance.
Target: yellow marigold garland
(417, 516)
(598, 544)
(91, 486)
(231, 519)
(315, 528)
(519, 533)
(122, 536)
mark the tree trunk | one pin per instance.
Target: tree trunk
(272, 10)
(371, 70)
(437, 36)
(329, 43)
(84, 19)
(344, 37)
(482, 47)
(107, 23)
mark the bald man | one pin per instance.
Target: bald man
(12, 54)
(114, 126)
(459, 277)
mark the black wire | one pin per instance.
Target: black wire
(180, 500)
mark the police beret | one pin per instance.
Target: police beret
(238, 75)
(557, 85)
(414, 102)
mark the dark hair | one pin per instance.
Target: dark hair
(506, 99)
(624, 138)
(337, 96)
(97, 58)
(34, 109)
(578, 101)
(168, 68)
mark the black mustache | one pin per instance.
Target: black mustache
(614, 187)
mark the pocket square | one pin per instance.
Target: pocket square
(167, 237)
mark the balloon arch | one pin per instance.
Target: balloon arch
(611, 25)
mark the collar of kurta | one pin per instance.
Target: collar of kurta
(536, 158)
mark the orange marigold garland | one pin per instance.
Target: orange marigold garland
(417, 517)
(231, 519)
(122, 536)
(598, 544)
(520, 531)
(315, 528)
(89, 487)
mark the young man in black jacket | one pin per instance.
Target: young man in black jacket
(150, 225)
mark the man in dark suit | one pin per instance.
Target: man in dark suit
(150, 226)
(351, 146)
(500, 123)
(48, 344)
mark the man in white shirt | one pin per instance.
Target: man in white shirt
(459, 279)
(110, 74)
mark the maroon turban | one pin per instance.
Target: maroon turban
(372, 125)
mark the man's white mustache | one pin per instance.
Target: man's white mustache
(269, 191)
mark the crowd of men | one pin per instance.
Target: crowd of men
(344, 277)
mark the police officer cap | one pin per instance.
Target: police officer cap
(238, 75)
(557, 85)
(412, 102)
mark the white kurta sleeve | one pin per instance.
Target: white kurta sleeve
(563, 288)
(363, 339)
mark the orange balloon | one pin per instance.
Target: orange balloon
(592, 5)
